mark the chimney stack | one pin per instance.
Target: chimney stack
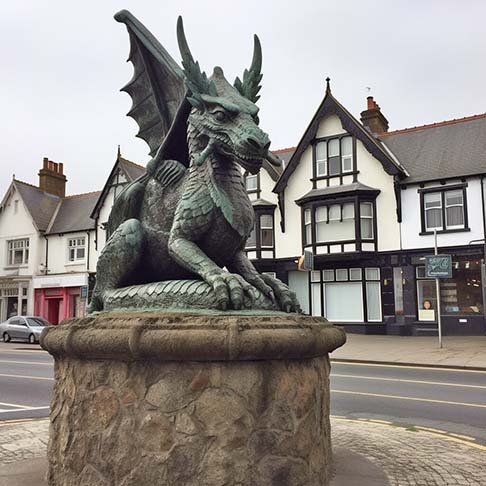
(373, 118)
(52, 178)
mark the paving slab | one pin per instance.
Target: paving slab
(457, 351)
(366, 454)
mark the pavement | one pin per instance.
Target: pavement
(366, 452)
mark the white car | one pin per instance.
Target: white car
(25, 328)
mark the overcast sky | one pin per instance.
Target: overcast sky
(63, 64)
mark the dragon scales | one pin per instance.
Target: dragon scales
(178, 232)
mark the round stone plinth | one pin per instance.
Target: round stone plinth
(196, 400)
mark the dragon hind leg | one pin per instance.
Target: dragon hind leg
(119, 258)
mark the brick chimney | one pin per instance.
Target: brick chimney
(52, 179)
(373, 118)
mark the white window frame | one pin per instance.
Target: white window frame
(346, 165)
(447, 206)
(266, 228)
(75, 245)
(251, 182)
(17, 246)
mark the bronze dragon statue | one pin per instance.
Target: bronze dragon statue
(179, 231)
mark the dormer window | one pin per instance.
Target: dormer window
(334, 156)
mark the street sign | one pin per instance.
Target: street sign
(438, 266)
(306, 261)
(84, 291)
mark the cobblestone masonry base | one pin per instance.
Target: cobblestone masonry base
(251, 422)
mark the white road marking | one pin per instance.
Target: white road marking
(22, 409)
(401, 380)
(398, 365)
(417, 399)
(36, 363)
(28, 377)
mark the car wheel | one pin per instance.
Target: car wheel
(6, 337)
(32, 339)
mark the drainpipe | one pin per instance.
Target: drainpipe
(87, 256)
(47, 254)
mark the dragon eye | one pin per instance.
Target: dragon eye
(220, 116)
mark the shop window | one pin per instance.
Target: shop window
(459, 295)
(76, 249)
(18, 252)
(341, 294)
(444, 210)
(334, 157)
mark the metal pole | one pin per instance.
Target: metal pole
(437, 293)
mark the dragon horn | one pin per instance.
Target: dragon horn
(250, 86)
(196, 81)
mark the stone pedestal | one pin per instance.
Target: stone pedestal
(191, 400)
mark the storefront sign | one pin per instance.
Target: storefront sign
(438, 266)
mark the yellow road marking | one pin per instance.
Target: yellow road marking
(460, 436)
(429, 429)
(425, 430)
(398, 397)
(36, 363)
(400, 380)
(398, 365)
(27, 377)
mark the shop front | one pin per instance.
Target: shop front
(14, 295)
(461, 297)
(58, 297)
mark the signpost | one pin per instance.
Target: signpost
(438, 266)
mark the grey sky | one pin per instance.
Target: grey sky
(63, 63)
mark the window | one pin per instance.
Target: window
(266, 230)
(261, 242)
(366, 220)
(334, 156)
(18, 252)
(251, 182)
(77, 249)
(334, 223)
(459, 295)
(444, 210)
(342, 295)
(308, 227)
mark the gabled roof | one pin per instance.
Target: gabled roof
(131, 170)
(40, 205)
(448, 149)
(74, 214)
(328, 106)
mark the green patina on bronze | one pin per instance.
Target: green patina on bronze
(188, 218)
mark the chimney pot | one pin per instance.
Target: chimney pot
(46, 161)
(371, 103)
(61, 168)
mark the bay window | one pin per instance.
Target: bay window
(261, 242)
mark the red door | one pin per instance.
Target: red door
(53, 310)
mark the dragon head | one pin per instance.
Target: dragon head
(225, 116)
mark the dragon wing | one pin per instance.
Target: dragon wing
(157, 90)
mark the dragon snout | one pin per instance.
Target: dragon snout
(257, 144)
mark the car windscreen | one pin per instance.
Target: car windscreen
(36, 322)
